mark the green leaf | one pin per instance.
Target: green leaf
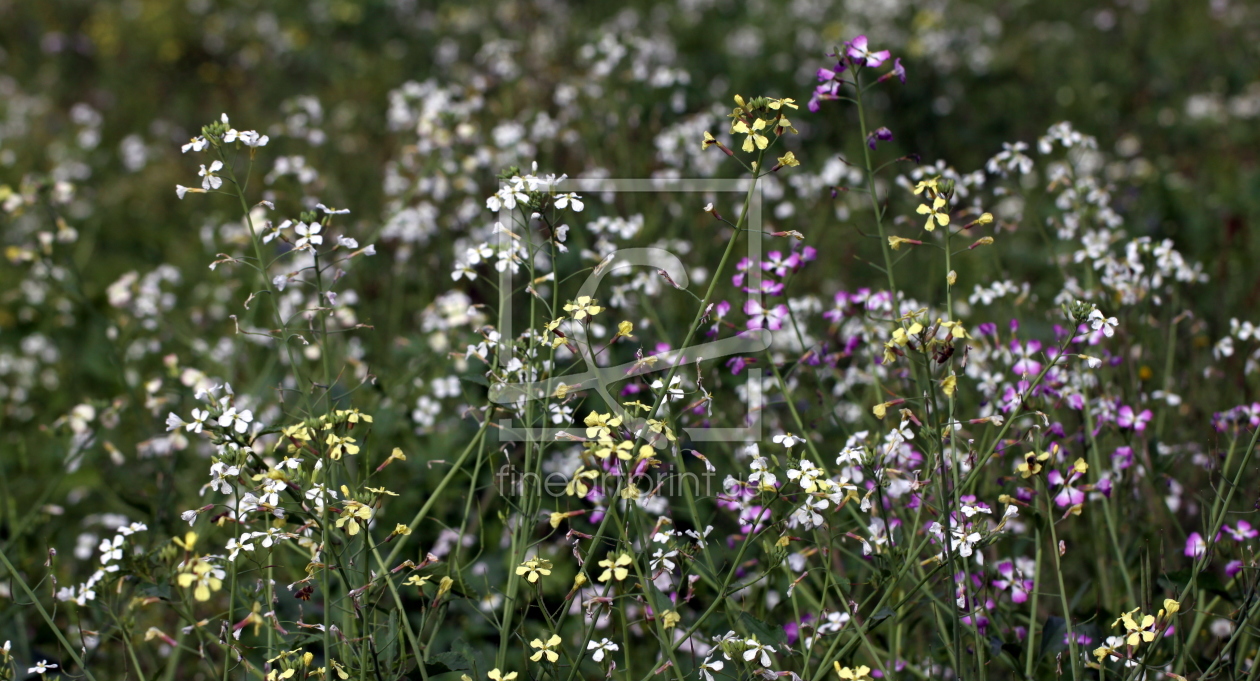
(764, 632)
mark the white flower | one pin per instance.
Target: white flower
(41, 667)
(180, 190)
(1105, 324)
(570, 199)
(600, 648)
(234, 547)
(195, 144)
(251, 138)
(787, 439)
(347, 242)
(661, 560)
(111, 550)
(234, 419)
(310, 235)
(332, 211)
(756, 648)
(190, 516)
(199, 420)
(675, 392)
(208, 178)
(707, 667)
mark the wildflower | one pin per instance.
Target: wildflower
(496, 675)
(601, 425)
(787, 160)
(898, 71)
(208, 178)
(1195, 546)
(624, 329)
(895, 242)
(1032, 464)
(707, 668)
(416, 581)
(353, 513)
(670, 619)
(878, 135)
(1105, 324)
(309, 234)
(203, 577)
(601, 648)
(577, 486)
(854, 674)
(239, 421)
(340, 445)
(860, 54)
(197, 143)
(755, 648)
(615, 568)
(583, 307)
(534, 569)
(570, 200)
(545, 649)
(41, 667)
(934, 212)
(754, 137)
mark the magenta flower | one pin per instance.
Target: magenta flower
(860, 54)
(765, 317)
(1242, 531)
(1125, 418)
(878, 135)
(1195, 546)
(898, 71)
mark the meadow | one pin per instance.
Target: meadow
(818, 339)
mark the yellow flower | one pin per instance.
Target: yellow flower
(949, 385)
(545, 649)
(577, 487)
(381, 490)
(615, 568)
(1080, 466)
(755, 139)
(583, 307)
(416, 580)
(203, 577)
(624, 328)
(600, 425)
(895, 242)
(276, 674)
(401, 529)
(670, 619)
(340, 445)
(496, 675)
(708, 141)
(934, 212)
(353, 513)
(788, 160)
(444, 585)
(534, 569)
(1032, 463)
(786, 101)
(925, 184)
(852, 674)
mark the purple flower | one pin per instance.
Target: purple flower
(737, 364)
(860, 54)
(765, 317)
(898, 71)
(1195, 546)
(878, 135)
(1126, 419)
(1122, 458)
(1233, 567)
(1242, 531)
